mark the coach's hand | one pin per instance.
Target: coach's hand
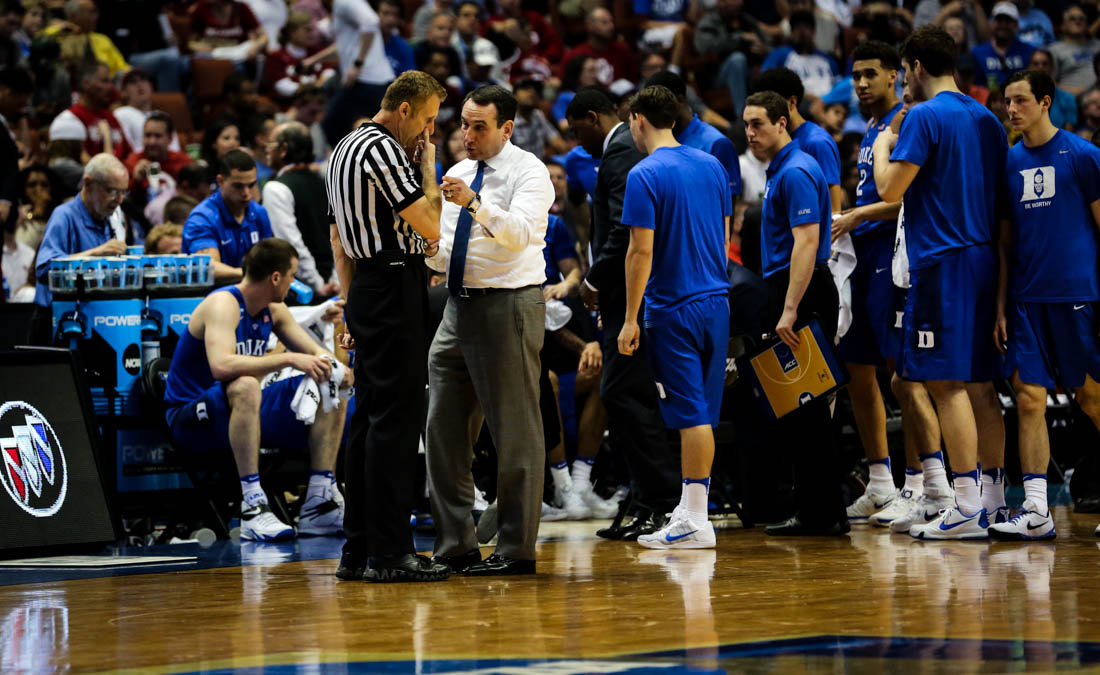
(785, 328)
(1000, 332)
(456, 191)
(317, 367)
(629, 338)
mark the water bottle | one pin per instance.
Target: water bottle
(153, 178)
(301, 291)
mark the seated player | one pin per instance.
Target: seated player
(214, 401)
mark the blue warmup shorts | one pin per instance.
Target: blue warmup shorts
(871, 339)
(203, 424)
(687, 354)
(1054, 343)
(897, 326)
(947, 332)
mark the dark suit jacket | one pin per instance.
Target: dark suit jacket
(610, 238)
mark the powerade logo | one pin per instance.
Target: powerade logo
(132, 320)
(786, 358)
(34, 473)
(179, 319)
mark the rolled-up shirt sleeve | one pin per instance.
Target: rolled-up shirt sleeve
(526, 215)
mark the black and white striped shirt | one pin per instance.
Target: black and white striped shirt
(370, 180)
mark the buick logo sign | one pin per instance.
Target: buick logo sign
(34, 472)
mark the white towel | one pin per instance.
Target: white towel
(842, 262)
(310, 318)
(305, 401)
(899, 267)
(310, 394)
(557, 315)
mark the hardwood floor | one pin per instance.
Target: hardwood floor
(867, 602)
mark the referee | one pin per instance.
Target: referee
(386, 215)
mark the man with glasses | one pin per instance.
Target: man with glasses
(80, 228)
(1074, 53)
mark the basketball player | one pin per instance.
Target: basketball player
(1047, 324)
(677, 205)
(213, 398)
(947, 162)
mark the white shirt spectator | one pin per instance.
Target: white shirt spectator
(279, 202)
(17, 263)
(754, 177)
(509, 230)
(350, 20)
(132, 121)
(272, 15)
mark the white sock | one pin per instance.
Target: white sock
(319, 484)
(582, 470)
(1035, 490)
(914, 480)
(560, 474)
(882, 481)
(993, 489)
(935, 476)
(693, 497)
(251, 492)
(968, 495)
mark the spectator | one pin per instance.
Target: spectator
(166, 239)
(15, 92)
(817, 70)
(11, 19)
(90, 120)
(295, 63)
(1004, 54)
(733, 36)
(296, 204)
(661, 22)
(226, 29)
(1090, 115)
(454, 149)
(579, 73)
(471, 47)
(966, 69)
(826, 28)
(398, 51)
(956, 28)
(532, 131)
(424, 15)
(971, 12)
(614, 60)
(273, 15)
(221, 136)
(365, 70)
(227, 223)
(79, 41)
(80, 228)
(137, 96)
(536, 42)
(256, 133)
(1075, 52)
(308, 108)
(1063, 110)
(40, 192)
(483, 66)
(574, 216)
(53, 90)
(143, 32)
(176, 212)
(156, 161)
(34, 20)
(192, 183)
(1035, 29)
(239, 94)
(16, 260)
(438, 40)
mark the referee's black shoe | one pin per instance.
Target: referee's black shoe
(458, 563)
(351, 567)
(795, 527)
(404, 568)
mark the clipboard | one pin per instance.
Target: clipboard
(783, 381)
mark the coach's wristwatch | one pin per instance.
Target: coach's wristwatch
(474, 205)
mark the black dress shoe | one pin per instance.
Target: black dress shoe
(497, 565)
(643, 524)
(794, 527)
(351, 567)
(404, 567)
(458, 563)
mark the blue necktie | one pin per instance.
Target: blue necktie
(457, 267)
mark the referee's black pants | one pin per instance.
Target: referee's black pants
(806, 434)
(387, 314)
(633, 416)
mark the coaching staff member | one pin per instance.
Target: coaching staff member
(484, 361)
(794, 242)
(386, 214)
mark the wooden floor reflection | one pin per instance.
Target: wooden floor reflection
(756, 604)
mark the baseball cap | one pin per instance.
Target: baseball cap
(485, 53)
(1006, 9)
(67, 127)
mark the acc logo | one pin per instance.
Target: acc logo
(785, 356)
(34, 473)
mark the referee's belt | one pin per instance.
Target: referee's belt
(468, 292)
(388, 259)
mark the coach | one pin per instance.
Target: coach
(484, 361)
(386, 216)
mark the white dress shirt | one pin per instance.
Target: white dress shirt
(279, 202)
(509, 230)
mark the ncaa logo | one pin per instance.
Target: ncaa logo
(34, 473)
(1038, 183)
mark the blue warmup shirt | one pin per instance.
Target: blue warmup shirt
(867, 193)
(1055, 243)
(682, 194)
(993, 69)
(817, 143)
(702, 136)
(960, 148)
(189, 375)
(211, 226)
(580, 170)
(559, 246)
(70, 230)
(796, 194)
